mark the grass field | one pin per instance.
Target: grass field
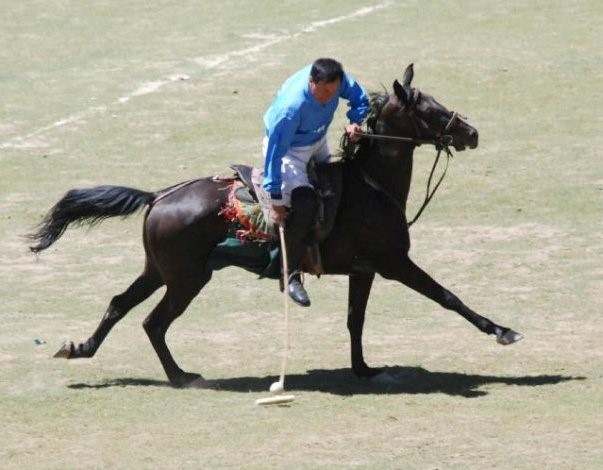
(147, 94)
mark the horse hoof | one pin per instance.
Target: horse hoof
(385, 379)
(188, 380)
(65, 351)
(509, 337)
(198, 382)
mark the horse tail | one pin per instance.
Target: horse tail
(87, 207)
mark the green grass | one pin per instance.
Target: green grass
(514, 231)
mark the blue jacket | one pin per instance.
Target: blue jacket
(296, 119)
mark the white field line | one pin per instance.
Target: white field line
(206, 62)
(151, 87)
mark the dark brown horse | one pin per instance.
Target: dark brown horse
(182, 226)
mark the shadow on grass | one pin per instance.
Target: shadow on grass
(123, 382)
(408, 380)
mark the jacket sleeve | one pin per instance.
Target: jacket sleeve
(357, 98)
(280, 136)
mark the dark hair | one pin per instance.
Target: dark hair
(326, 71)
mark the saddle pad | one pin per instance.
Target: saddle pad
(247, 218)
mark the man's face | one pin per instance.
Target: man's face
(324, 91)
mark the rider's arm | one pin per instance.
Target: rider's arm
(357, 98)
(280, 135)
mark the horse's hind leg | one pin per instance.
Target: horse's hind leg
(142, 288)
(177, 297)
(414, 277)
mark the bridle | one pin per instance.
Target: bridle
(441, 141)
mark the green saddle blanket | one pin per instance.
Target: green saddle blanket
(248, 244)
(262, 258)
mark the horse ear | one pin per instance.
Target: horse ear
(408, 75)
(402, 93)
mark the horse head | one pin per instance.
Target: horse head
(409, 112)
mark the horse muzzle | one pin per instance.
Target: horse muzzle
(469, 139)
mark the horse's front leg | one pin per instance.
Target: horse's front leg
(359, 291)
(414, 277)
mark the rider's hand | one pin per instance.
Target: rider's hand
(354, 132)
(278, 214)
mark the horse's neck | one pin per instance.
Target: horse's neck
(391, 167)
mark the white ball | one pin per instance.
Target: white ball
(277, 387)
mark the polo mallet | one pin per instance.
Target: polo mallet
(277, 388)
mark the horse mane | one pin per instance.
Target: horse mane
(376, 103)
(348, 150)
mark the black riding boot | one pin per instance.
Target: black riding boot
(298, 229)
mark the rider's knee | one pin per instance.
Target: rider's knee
(304, 199)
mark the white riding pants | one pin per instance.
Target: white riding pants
(295, 164)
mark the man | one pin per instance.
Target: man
(296, 128)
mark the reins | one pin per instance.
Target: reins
(429, 195)
(393, 138)
(441, 144)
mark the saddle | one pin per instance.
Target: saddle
(327, 181)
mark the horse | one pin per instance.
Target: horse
(183, 225)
